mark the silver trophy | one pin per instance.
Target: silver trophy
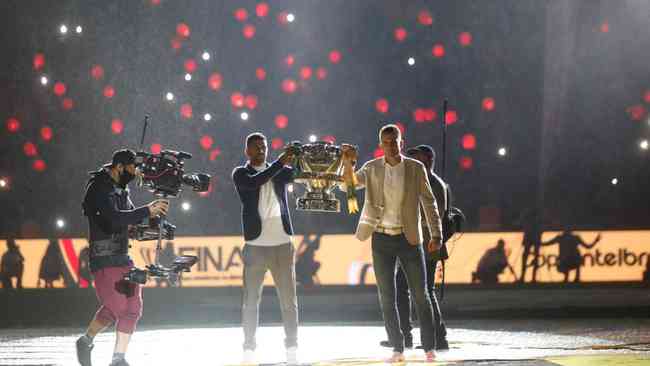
(319, 167)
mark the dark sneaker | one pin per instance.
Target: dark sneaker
(408, 343)
(84, 347)
(120, 362)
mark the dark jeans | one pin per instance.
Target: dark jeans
(404, 301)
(386, 250)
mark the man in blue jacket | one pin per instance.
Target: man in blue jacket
(267, 233)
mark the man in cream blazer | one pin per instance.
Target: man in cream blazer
(395, 188)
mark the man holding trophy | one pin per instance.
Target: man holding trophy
(267, 231)
(395, 188)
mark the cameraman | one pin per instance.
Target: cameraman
(110, 212)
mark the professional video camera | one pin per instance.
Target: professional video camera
(163, 174)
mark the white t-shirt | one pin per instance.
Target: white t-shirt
(393, 195)
(268, 207)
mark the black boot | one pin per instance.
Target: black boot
(84, 347)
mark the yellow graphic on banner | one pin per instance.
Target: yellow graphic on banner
(480, 258)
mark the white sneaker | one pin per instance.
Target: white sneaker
(249, 357)
(292, 356)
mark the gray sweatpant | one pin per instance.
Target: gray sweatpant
(280, 261)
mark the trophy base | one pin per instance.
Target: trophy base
(318, 205)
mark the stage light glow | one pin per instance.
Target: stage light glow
(59, 88)
(249, 31)
(44, 80)
(438, 51)
(260, 73)
(183, 30)
(277, 143)
(169, 96)
(109, 91)
(466, 162)
(262, 10)
(39, 61)
(425, 17)
(250, 101)
(214, 81)
(207, 117)
(291, 17)
(46, 133)
(60, 223)
(313, 138)
(97, 72)
(469, 142)
(502, 151)
(465, 39)
(488, 104)
(411, 61)
(614, 181)
(39, 165)
(190, 65)
(206, 142)
(321, 73)
(244, 116)
(67, 104)
(117, 126)
(237, 100)
(289, 86)
(305, 72)
(13, 124)
(241, 14)
(186, 111)
(335, 56)
(382, 105)
(186, 206)
(643, 144)
(205, 56)
(451, 117)
(4, 183)
(281, 121)
(188, 77)
(78, 29)
(400, 34)
(63, 29)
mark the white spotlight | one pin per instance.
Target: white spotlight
(188, 77)
(411, 61)
(78, 29)
(205, 56)
(44, 80)
(643, 144)
(60, 223)
(3, 183)
(63, 29)
(502, 151)
(614, 181)
(291, 17)
(169, 96)
(207, 117)
(313, 138)
(186, 206)
(244, 116)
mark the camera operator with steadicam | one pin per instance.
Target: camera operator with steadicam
(110, 212)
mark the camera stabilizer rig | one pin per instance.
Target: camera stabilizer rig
(163, 174)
